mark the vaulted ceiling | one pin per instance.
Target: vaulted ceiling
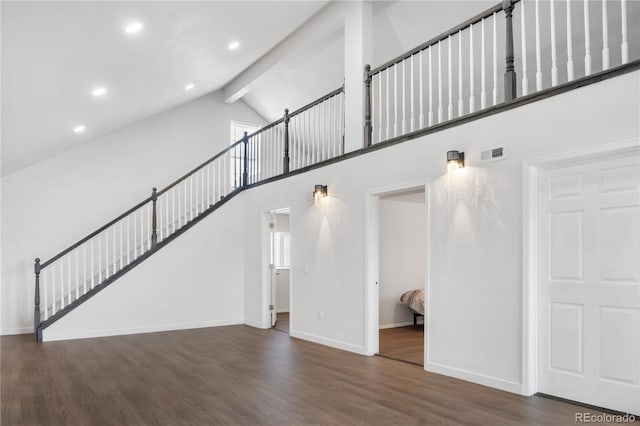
(54, 54)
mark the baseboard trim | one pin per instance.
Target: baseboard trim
(53, 336)
(400, 324)
(282, 311)
(349, 347)
(15, 331)
(470, 376)
(255, 324)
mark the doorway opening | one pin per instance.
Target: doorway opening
(279, 270)
(397, 241)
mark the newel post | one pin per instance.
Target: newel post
(245, 165)
(367, 106)
(36, 307)
(510, 72)
(154, 223)
(285, 168)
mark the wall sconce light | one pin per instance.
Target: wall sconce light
(455, 160)
(319, 192)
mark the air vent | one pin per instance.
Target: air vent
(493, 154)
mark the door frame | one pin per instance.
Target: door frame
(371, 312)
(530, 173)
(266, 272)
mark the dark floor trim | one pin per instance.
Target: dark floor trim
(400, 360)
(588, 406)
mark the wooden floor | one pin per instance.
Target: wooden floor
(283, 322)
(240, 375)
(403, 343)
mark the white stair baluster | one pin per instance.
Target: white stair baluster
(587, 40)
(460, 99)
(404, 102)
(523, 38)
(538, 58)
(472, 99)
(395, 100)
(570, 73)
(483, 92)
(449, 81)
(624, 47)
(554, 66)
(440, 114)
(430, 88)
(379, 110)
(605, 36)
(412, 120)
(387, 72)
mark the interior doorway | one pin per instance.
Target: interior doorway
(279, 269)
(397, 240)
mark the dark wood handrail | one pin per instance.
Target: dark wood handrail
(183, 178)
(474, 20)
(318, 101)
(94, 233)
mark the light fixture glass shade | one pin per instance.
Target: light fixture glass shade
(455, 160)
(319, 192)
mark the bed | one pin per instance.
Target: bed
(414, 300)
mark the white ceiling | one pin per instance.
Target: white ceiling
(55, 53)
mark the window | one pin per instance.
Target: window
(281, 250)
(237, 133)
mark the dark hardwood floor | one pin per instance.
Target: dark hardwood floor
(283, 322)
(403, 343)
(240, 375)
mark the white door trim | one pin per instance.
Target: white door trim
(530, 235)
(372, 262)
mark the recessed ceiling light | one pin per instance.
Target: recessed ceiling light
(189, 86)
(79, 129)
(99, 91)
(133, 27)
(234, 45)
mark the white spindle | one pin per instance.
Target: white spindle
(605, 36)
(404, 102)
(69, 279)
(128, 239)
(84, 267)
(421, 96)
(191, 194)
(538, 58)
(135, 235)
(430, 88)
(61, 283)
(495, 59)
(53, 289)
(120, 257)
(554, 66)
(379, 108)
(93, 275)
(412, 121)
(570, 73)
(395, 100)
(587, 39)
(440, 115)
(483, 91)
(472, 99)
(460, 100)
(115, 259)
(624, 47)
(523, 39)
(106, 254)
(450, 105)
(46, 299)
(77, 273)
(387, 72)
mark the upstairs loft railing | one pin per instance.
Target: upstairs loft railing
(309, 135)
(514, 49)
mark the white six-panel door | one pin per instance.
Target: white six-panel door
(589, 283)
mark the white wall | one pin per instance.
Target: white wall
(402, 255)
(53, 204)
(196, 281)
(474, 327)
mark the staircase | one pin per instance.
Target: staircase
(401, 103)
